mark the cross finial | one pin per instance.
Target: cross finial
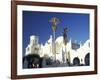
(54, 21)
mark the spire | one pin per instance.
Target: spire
(65, 38)
(70, 43)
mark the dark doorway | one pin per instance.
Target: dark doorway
(32, 61)
(87, 59)
(76, 61)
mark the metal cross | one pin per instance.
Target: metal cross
(54, 21)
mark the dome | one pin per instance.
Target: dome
(87, 43)
(59, 39)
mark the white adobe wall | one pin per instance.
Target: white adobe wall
(60, 48)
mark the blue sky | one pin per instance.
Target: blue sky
(37, 23)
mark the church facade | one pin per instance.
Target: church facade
(73, 52)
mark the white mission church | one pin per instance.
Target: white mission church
(73, 52)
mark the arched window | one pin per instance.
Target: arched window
(87, 59)
(76, 61)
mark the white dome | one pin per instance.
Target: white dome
(87, 43)
(59, 39)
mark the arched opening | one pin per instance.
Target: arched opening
(76, 61)
(87, 59)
